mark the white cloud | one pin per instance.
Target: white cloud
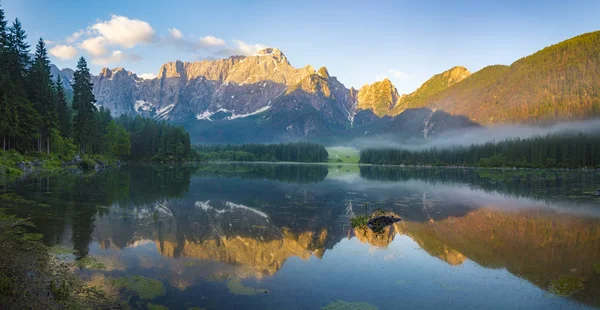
(241, 48)
(248, 49)
(63, 52)
(393, 75)
(125, 32)
(191, 43)
(95, 46)
(211, 41)
(106, 40)
(49, 42)
(399, 74)
(119, 31)
(175, 33)
(115, 57)
(147, 76)
(76, 35)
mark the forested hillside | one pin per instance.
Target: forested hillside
(558, 82)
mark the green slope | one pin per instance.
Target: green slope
(558, 82)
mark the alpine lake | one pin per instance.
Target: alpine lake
(280, 236)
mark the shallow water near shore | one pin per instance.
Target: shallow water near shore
(275, 236)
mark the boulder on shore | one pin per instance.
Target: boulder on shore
(73, 162)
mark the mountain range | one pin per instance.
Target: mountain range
(263, 98)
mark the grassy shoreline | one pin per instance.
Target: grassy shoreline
(14, 164)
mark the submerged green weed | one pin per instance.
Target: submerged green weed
(237, 288)
(146, 288)
(344, 305)
(567, 285)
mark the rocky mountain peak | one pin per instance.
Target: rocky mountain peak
(105, 73)
(380, 97)
(323, 72)
(456, 74)
(273, 52)
(172, 69)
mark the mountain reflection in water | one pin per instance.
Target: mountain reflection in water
(217, 231)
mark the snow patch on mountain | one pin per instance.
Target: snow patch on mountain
(234, 116)
(163, 113)
(142, 106)
(204, 115)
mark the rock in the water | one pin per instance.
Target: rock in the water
(99, 166)
(598, 193)
(378, 223)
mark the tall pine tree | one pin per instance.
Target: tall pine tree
(83, 103)
(18, 117)
(5, 113)
(64, 115)
(41, 94)
(18, 56)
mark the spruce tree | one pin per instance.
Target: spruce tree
(18, 57)
(64, 115)
(18, 117)
(41, 94)
(5, 114)
(83, 103)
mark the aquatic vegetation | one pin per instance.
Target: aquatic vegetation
(89, 262)
(146, 288)
(567, 285)
(60, 251)
(344, 305)
(597, 268)
(7, 285)
(152, 306)
(12, 198)
(237, 288)
(359, 221)
(32, 278)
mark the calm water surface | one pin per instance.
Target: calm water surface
(279, 236)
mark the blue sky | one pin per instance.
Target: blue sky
(359, 41)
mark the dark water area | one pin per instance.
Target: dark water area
(268, 236)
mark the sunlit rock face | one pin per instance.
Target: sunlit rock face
(262, 94)
(237, 86)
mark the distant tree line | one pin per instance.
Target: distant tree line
(293, 152)
(152, 139)
(35, 115)
(550, 151)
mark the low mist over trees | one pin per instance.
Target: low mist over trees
(550, 151)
